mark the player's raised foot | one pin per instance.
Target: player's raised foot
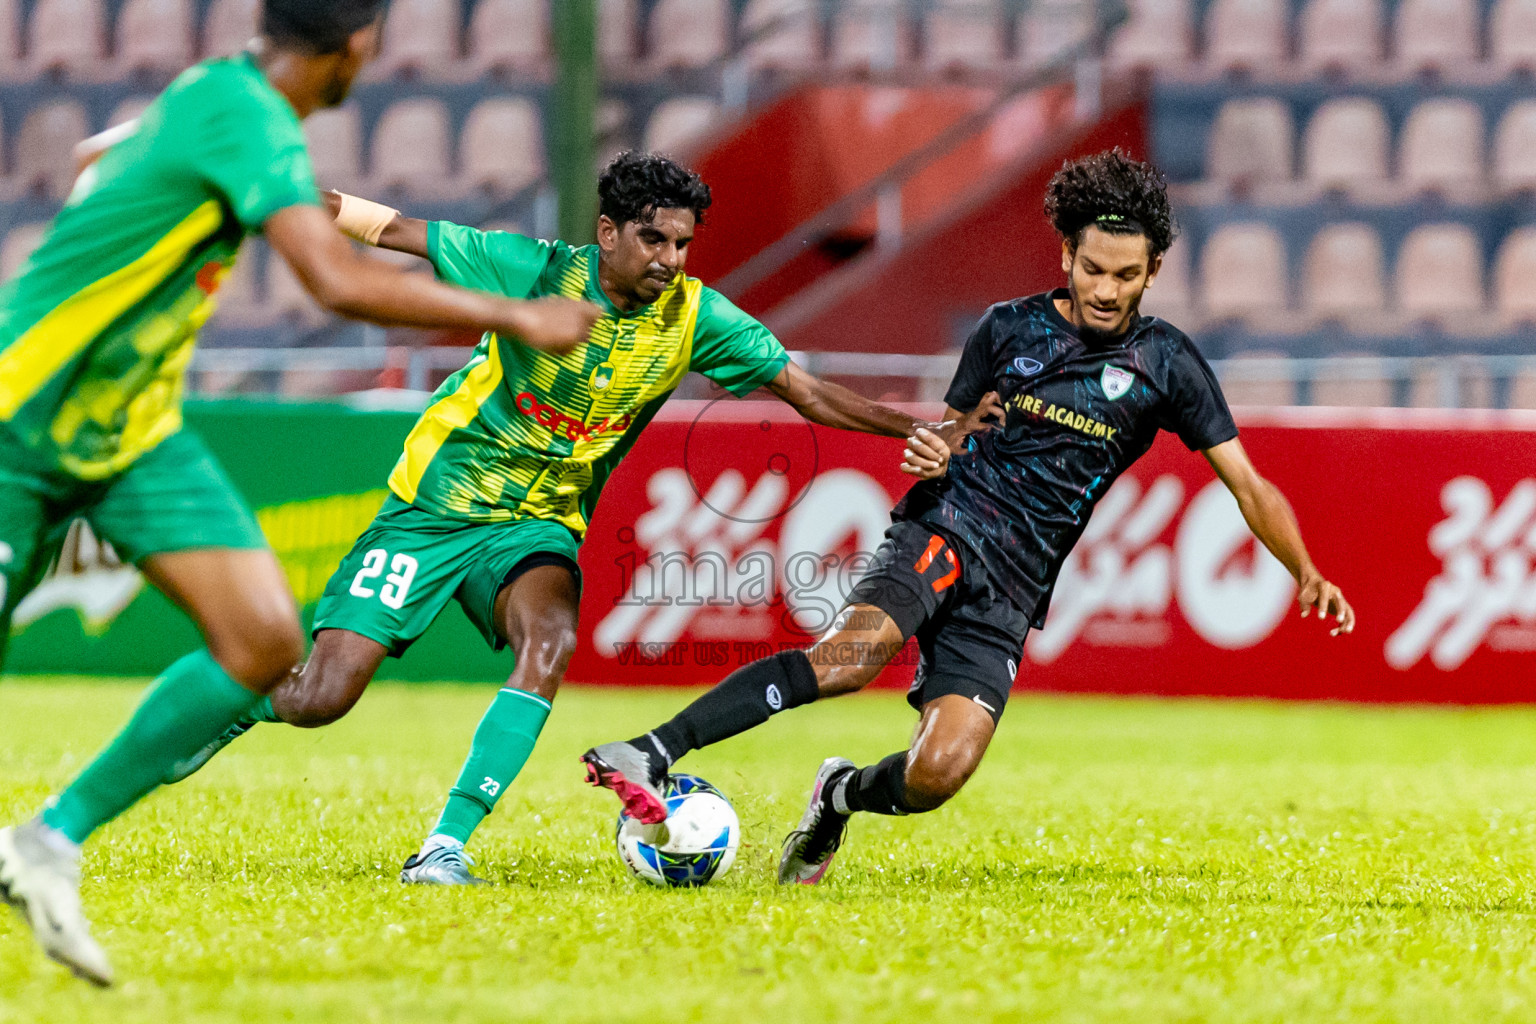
(40, 878)
(192, 765)
(440, 864)
(634, 775)
(809, 849)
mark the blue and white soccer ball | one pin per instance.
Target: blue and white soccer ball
(696, 845)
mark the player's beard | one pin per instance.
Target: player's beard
(1094, 337)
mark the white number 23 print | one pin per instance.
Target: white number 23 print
(396, 585)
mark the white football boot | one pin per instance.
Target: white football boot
(41, 879)
(809, 849)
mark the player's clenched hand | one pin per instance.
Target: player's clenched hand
(1328, 599)
(927, 455)
(553, 324)
(987, 415)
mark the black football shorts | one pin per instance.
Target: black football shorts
(969, 637)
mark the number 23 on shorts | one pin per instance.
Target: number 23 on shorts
(396, 585)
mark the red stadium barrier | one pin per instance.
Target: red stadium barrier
(734, 528)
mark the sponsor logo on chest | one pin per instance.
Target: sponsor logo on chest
(561, 425)
(1067, 417)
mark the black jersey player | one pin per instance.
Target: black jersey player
(1081, 384)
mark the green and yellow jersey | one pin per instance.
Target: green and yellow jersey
(97, 329)
(519, 434)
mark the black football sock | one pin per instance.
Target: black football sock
(879, 789)
(747, 697)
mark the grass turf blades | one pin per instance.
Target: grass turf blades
(1112, 860)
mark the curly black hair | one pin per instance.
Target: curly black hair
(317, 26)
(1114, 193)
(635, 185)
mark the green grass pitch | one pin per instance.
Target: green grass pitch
(1132, 860)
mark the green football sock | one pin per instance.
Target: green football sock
(191, 704)
(262, 711)
(502, 743)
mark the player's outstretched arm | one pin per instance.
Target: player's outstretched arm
(832, 405)
(377, 224)
(362, 288)
(1270, 518)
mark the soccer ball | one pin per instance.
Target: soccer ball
(696, 845)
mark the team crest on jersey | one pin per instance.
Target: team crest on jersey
(1115, 382)
(602, 376)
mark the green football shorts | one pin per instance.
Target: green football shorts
(409, 564)
(174, 498)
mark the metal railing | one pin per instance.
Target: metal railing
(1447, 381)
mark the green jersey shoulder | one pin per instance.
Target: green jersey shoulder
(519, 433)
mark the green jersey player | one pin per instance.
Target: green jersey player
(95, 336)
(498, 480)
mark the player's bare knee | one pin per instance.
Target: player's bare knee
(262, 653)
(931, 781)
(547, 644)
(321, 694)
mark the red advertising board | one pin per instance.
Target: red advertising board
(735, 528)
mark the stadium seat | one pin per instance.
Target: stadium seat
(1451, 383)
(1440, 274)
(1246, 384)
(1522, 390)
(335, 140)
(286, 298)
(154, 35)
(1160, 33)
(11, 65)
(1246, 34)
(617, 35)
(614, 130)
(510, 36)
(68, 36)
(688, 33)
(420, 37)
(1242, 272)
(1435, 34)
(410, 148)
(1346, 144)
(502, 147)
(240, 302)
(1344, 276)
(679, 122)
(1514, 277)
(1353, 380)
(781, 34)
(1025, 120)
(19, 243)
(45, 147)
(1342, 35)
(128, 110)
(1168, 296)
(870, 35)
(1050, 29)
(1251, 143)
(1514, 149)
(1512, 36)
(963, 35)
(1442, 147)
(229, 26)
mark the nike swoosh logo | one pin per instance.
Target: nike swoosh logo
(984, 704)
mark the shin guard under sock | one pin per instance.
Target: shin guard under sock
(879, 789)
(746, 698)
